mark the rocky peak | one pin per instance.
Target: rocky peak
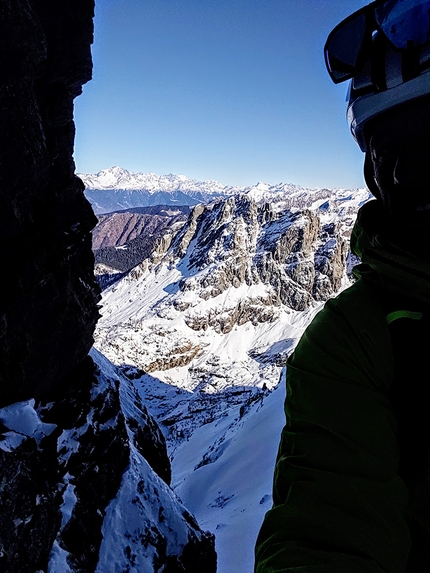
(234, 262)
(238, 241)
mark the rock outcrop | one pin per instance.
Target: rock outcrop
(84, 485)
(239, 242)
(48, 308)
(84, 473)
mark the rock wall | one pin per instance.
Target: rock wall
(239, 241)
(84, 471)
(84, 485)
(48, 309)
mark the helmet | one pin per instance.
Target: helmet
(384, 49)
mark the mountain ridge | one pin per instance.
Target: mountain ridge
(203, 326)
(117, 188)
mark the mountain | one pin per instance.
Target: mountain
(203, 326)
(116, 189)
(86, 484)
(120, 227)
(123, 239)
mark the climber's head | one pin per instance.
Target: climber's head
(384, 50)
(397, 165)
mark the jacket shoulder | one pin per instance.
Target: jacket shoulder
(349, 338)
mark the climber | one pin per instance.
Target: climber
(351, 487)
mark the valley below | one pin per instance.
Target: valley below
(201, 307)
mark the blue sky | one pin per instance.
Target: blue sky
(232, 90)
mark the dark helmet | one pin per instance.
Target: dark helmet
(384, 49)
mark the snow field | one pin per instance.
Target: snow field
(231, 495)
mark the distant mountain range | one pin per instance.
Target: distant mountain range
(116, 189)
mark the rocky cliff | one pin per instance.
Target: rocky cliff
(84, 472)
(48, 309)
(235, 263)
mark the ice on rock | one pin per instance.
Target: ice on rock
(23, 421)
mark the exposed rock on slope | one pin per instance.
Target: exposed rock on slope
(76, 489)
(238, 241)
(78, 494)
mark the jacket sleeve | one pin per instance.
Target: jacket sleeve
(338, 504)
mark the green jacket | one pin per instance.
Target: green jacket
(339, 503)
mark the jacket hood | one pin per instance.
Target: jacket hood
(395, 251)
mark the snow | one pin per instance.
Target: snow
(69, 501)
(68, 441)
(23, 421)
(58, 560)
(231, 495)
(125, 518)
(221, 406)
(11, 441)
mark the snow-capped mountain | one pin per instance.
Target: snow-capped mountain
(203, 327)
(117, 189)
(119, 178)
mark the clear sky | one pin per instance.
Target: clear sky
(231, 90)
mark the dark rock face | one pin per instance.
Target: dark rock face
(29, 514)
(76, 493)
(92, 454)
(48, 309)
(58, 475)
(72, 436)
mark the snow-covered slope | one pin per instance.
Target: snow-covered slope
(223, 470)
(232, 491)
(85, 484)
(203, 327)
